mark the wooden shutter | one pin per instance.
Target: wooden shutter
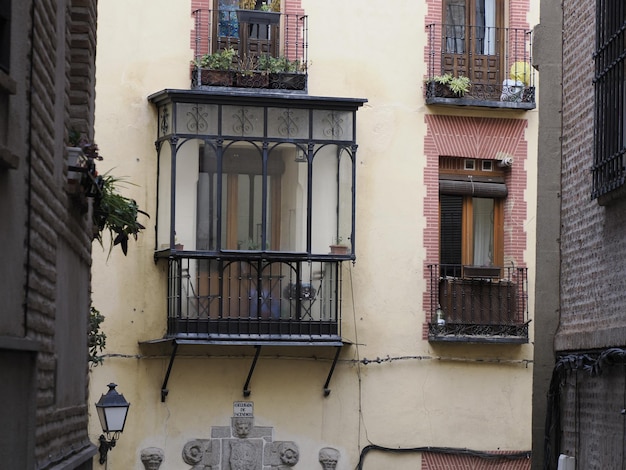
(450, 231)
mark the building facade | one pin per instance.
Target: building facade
(47, 81)
(579, 383)
(338, 268)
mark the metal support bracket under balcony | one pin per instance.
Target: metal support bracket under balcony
(164, 389)
(330, 373)
(246, 387)
(156, 347)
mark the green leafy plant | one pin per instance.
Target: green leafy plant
(247, 4)
(220, 60)
(115, 213)
(96, 338)
(273, 5)
(248, 64)
(278, 64)
(458, 85)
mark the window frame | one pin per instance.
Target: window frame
(469, 62)
(467, 231)
(455, 180)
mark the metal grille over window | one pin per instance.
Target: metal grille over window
(609, 173)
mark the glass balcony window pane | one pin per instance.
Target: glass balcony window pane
(194, 118)
(332, 125)
(242, 121)
(285, 123)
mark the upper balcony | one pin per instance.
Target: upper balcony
(250, 49)
(478, 304)
(495, 60)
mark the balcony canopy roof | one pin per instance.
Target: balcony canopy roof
(256, 97)
(278, 116)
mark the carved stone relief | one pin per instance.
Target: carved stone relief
(328, 458)
(240, 446)
(151, 458)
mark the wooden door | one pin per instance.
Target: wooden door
(248, 37)
(472, 39)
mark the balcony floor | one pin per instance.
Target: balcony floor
(475, 333)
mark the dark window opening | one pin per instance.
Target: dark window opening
(5, 34)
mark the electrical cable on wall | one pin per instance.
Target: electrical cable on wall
(593, 363)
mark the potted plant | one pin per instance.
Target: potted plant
(249, 75)
(283, 73)
(81, 166)
(338, 248)
(253, 12)
(115, 213)
(216, 69)
(449, 86)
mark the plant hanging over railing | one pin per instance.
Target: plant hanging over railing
(111, 211)
(115, 213)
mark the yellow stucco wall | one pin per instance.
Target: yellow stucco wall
(418, 394)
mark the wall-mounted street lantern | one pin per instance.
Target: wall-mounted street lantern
(112, 410)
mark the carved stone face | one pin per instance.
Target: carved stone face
(242, 427)
(242, 456)
(328, 458)
(152, 458)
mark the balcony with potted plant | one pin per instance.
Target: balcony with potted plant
(264, 47)
(479, 66)
(215, 69)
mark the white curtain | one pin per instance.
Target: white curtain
(489, 41)
(483, 231)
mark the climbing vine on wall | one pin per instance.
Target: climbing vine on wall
(97, 338)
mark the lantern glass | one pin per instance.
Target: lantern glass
(112, 410)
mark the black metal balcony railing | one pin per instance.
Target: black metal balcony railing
(478, 304)
(496, 60)
(270, 48)
(246, 298)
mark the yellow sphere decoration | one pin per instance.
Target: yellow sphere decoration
(520, 71)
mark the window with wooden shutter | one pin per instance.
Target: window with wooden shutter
(471, 215)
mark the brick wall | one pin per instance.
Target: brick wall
(593, 426)
(592, 283)
(49, 242)
(593, 272)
